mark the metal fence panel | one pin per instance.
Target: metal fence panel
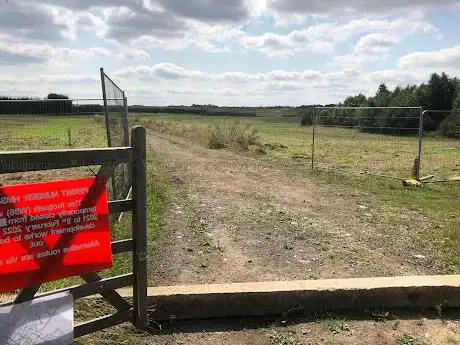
(372, 140)
(116, 119)
(53, 124)
(441, 157)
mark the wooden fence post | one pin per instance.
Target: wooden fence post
(139, 226)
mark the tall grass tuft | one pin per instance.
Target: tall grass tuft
(234, 135)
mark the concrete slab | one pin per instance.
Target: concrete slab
(309, 297)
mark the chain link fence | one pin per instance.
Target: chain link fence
(441, 157)
(37, 124)
(116, 112)
(116, 120)
(370, 140)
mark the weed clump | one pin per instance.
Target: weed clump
(232, 135)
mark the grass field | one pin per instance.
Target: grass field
(287, 146)
(47, 132)
(337, 150)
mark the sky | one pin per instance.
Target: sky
(225, 52)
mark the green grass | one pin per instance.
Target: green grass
(435, 206)
(341, 148)
(337, 150)
(50, 132)
(232, 134)
(409, 340)
(333, 324)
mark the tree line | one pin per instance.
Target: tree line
(441, 92)
(195, 109)
(53, 104)
(58, 104)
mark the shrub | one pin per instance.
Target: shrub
(234, 135)
(307, 120)
(450, 126)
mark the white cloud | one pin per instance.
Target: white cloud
(444, 58)
(341, 7)
(122, 23)
(29, 20)
(169, 71)
(68, 37)
(375, 45)
(322, 38)
(208, 10)
(167, 83)
(159, 71)
(395, 77)
(369, 48)
(12, 53)
(73, 79)
(270, 44)
(209, 38)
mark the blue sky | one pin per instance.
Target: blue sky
(225, 52)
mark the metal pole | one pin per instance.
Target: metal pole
(313, 140)
(125, 121)
(106, 111)
(420, 138)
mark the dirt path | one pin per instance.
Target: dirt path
(236, 218)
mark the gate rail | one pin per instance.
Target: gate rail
(109, 158)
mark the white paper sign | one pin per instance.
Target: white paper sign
(43, 321)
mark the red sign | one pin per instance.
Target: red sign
(53, 230)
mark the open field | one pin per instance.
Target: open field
(289, 145)
(50, 132)
(263, 214)
(341, 148)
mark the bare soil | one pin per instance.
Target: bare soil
(238, 218)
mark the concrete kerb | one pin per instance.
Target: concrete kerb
(309, 296)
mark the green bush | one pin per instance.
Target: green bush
(307, 120)
(233, 135)
(216, 137)
(450, 127)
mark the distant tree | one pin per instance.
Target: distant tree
(56, 96)
(59, 107)
(383, 96)
(450, 126)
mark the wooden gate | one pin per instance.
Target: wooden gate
(108, 158)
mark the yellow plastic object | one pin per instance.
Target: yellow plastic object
(412, 183)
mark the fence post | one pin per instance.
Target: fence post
(420, 138)
(139, 226)
(106, 111)
(125, 121)
(313, 139)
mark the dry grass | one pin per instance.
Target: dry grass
(234, 135)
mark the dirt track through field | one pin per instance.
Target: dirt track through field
(236, 218)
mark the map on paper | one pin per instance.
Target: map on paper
(43, 321)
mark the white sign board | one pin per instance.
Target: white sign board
(43, 321)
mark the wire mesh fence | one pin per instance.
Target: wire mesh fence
(35, 124)
(116, 111)
(441, 157)
(381, 141)
(116, 119)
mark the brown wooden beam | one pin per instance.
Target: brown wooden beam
(12, 162)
